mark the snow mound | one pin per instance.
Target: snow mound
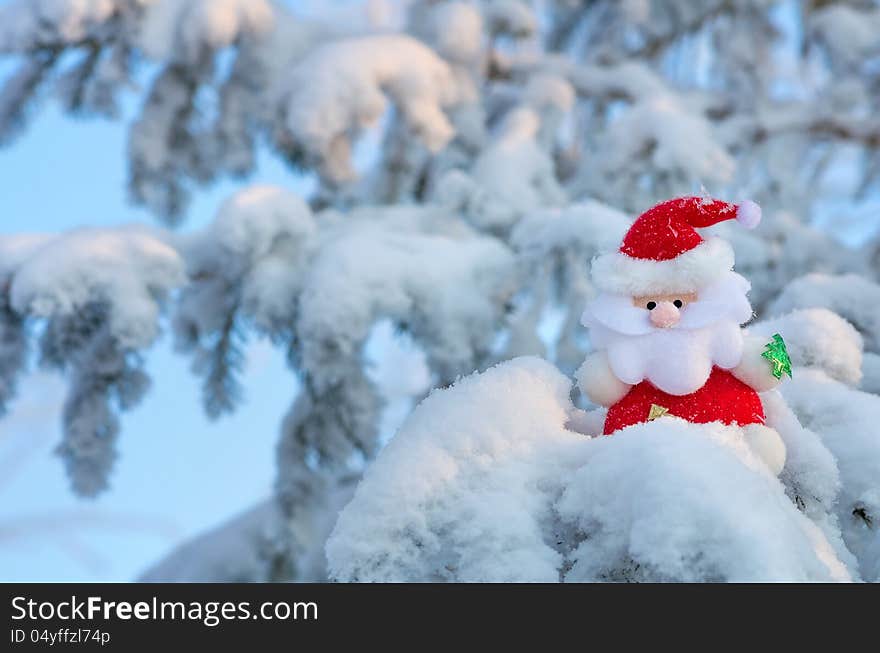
(673, 501)
(465, 490)
(847, 421)
(484, 483)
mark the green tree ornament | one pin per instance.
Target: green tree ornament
(775, 352)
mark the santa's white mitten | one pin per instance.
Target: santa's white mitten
(754, 369)
(767, 445)
(596, 380)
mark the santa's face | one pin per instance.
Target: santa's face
(672, 339)
(665, 310)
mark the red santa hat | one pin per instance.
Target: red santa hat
(663, 253)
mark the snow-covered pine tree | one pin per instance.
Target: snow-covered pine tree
(516, 140)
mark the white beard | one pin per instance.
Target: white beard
(676, 360)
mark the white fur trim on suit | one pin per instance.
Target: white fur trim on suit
(624, 275)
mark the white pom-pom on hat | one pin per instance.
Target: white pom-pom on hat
(748, 214)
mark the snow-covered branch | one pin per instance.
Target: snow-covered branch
(93, 299)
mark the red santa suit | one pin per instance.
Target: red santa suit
(723, 398)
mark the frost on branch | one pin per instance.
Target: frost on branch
(341, 87)
(189, 29)
(431, 276)
(435, 277)
(485, 483)
(849, 34)
(173, 139)
(246, 270)
(88, 51)
(554, 247)
(512, 176)
(44, 30)
(848, 424)
(683, 149)
(851, 296)
(13, 352)
(96, 297)
(658, 129)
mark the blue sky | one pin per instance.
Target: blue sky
(177, 473)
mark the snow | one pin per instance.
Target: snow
(676, 501)
(554, 247)
(782, 249)
(262, 239)
(846, 420)
(484, 482)
(547, 90)
(28, 23)
(512, 17)
(464, 490)
(586, 228)
(248, 264)
(448, 290)
(850, 32)
(341, 88)
(185, 28)
(810, 475)
(818, 338)
(513, 175)
(851, 296)
(97, 295)
(129, 269)
(458, 31)
(682, 142)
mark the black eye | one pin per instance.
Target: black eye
(651, 306)
(677, 303)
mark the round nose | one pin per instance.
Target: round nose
(665, 315)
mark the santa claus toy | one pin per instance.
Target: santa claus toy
(666, 327)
